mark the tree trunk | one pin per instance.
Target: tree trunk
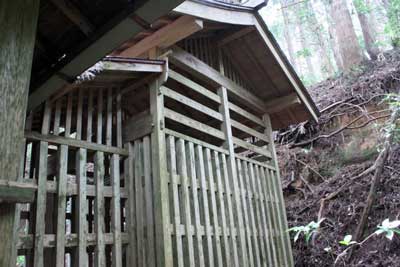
(317, 29)
(18, 19)
(288, 37)
(367, 29)
(349, 47)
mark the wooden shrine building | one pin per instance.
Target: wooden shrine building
(161, 154)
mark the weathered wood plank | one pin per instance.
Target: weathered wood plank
(232, 173)
(251, 147)
(246, 114)
(201, 70)
(204, 196)
(161, 205)
(41, 192)
(138, 126)
(16, 192)
(186, 199)
(139, 195)
(191, 103)
(99, 212)
(133, 67)
(81, 178)
(175, 200)
(131, 209)
(249, 131)
(194, 86)
(196, 205)
(71, 142)
(109, 117)
(116, 212)
(221, 208)
(166, 36)
(148, 189)
(214, 213)
(242, 176)
(204, 128)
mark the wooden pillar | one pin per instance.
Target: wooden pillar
(232, 172)
(18, 19)
(284, 235)
(160, 176)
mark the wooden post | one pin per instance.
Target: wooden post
(18, 22)
(160, 176)
(279, 193)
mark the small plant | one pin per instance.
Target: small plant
(347, 241)
(388, 228)
(307, 230)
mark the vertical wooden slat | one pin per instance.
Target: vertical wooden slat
(261, 258)
(232, 171)
(131, 214)
(99, 132)
(41, 192)
(270, 213)
(109, 118)
(214, 212)
(148, 189)
(203, 184)
(139, 203)
(228, 195)
(99, 212)
(119, 120)
(160, 174)
(182, 170)
(81, 179)
(62, 189)
(79, 115)
(242, 175)
(263, 226)
(221, 208)
(175, 200)
(90, 117)
(116, 212)
(196, 206)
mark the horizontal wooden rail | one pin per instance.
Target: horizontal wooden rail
(16, 192)
(72, 188)
(59, 140)
(260, 164)
(251, 147)
(196, 141)
(175, 116)
(194, 86)
(249, 131)
(191, 103)
(71, 240)
(246, 114)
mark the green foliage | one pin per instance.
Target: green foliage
(392, 28)
(304, 53)
(347, 241)
(362, 6)
(388, 228)
(20, 261)
(307, 230)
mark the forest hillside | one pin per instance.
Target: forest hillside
(327, 169)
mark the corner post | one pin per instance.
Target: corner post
(285, 238)
(18, 19)
(160, 175)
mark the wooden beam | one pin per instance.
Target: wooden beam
(235, 35)
(166, 36)
(130, 67)
(240, 16)
(73, 13)
(18, 22)
(109, 38)
(282, 103)
(71, 142)
(16, 192)
(200, 69)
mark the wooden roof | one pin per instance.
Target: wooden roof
(73, 35)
